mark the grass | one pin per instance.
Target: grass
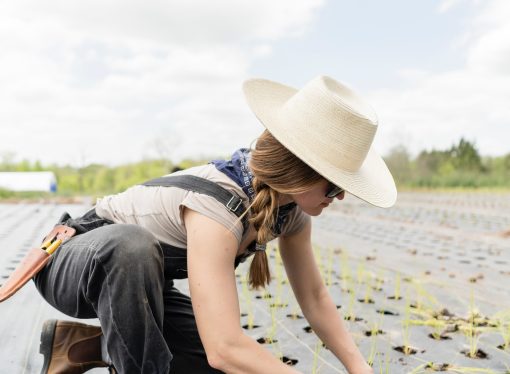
(406, 326)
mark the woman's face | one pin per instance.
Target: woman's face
(314, 200)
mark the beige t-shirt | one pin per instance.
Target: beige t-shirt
(160, 209)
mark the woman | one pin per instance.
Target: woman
(317, 144)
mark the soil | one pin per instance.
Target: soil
(266, 340)
(477, 354)
(289, 361)
(405, 349)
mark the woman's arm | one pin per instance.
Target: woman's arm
(315, 301)
(211, 253)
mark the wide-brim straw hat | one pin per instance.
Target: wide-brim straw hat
(329, 127)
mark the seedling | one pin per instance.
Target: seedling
(406, 349)
(247, 299)
(373, 344)
(368, 288)
(397, 287)
(350, 307)
(471, 331)
(346, 270)
(316, 351)
(505, 333)
(360, 272)
(379, 281)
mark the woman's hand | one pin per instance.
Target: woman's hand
(211, 252)
(316, 303)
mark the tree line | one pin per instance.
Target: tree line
(96, 179)
(460, 166)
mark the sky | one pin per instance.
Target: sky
(112, 82)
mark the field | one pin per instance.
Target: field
(423, 286)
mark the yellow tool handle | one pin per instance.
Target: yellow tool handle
(53, 247)
(46, 244)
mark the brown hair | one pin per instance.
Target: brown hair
(276, 171)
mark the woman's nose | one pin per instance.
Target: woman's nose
(341, 195)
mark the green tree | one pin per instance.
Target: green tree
(465, 156)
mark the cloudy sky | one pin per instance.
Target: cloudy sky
(115, 81)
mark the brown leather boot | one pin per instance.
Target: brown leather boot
(70, 347)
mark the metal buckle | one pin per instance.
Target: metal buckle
(233, 199)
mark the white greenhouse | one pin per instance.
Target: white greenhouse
(28, 181)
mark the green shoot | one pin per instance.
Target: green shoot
(368, 287)
(397, 286)
(316, 351)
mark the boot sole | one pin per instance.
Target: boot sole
(46, 347)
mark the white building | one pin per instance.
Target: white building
(28, 181)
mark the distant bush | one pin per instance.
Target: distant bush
(461, 166)
(5, 193)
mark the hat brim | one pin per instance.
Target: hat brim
(373, 181)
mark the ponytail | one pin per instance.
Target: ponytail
(263, 209)
(276, 171)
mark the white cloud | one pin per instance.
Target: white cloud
(437, 109)
(101, 81)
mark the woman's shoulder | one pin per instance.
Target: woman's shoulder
(211, 173)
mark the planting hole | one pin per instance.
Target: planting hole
(373, 332)
(353, 318)
(477, 354)
(289, 361)
(438, 367)
(294, 316)
(308, 329)
(439, 336)
(250, 327)
(406, 349)
(266, 341)
(366, 301)
(280, 305)
(387, 312)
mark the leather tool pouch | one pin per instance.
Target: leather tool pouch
(33, 262)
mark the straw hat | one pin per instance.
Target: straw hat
(331, 129)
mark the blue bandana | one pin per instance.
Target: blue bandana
(237, 169)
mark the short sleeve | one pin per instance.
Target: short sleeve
(213, 209)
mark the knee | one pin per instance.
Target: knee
(133, 246)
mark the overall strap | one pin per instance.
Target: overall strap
(201, 185)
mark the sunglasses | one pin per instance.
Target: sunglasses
(333, 191)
